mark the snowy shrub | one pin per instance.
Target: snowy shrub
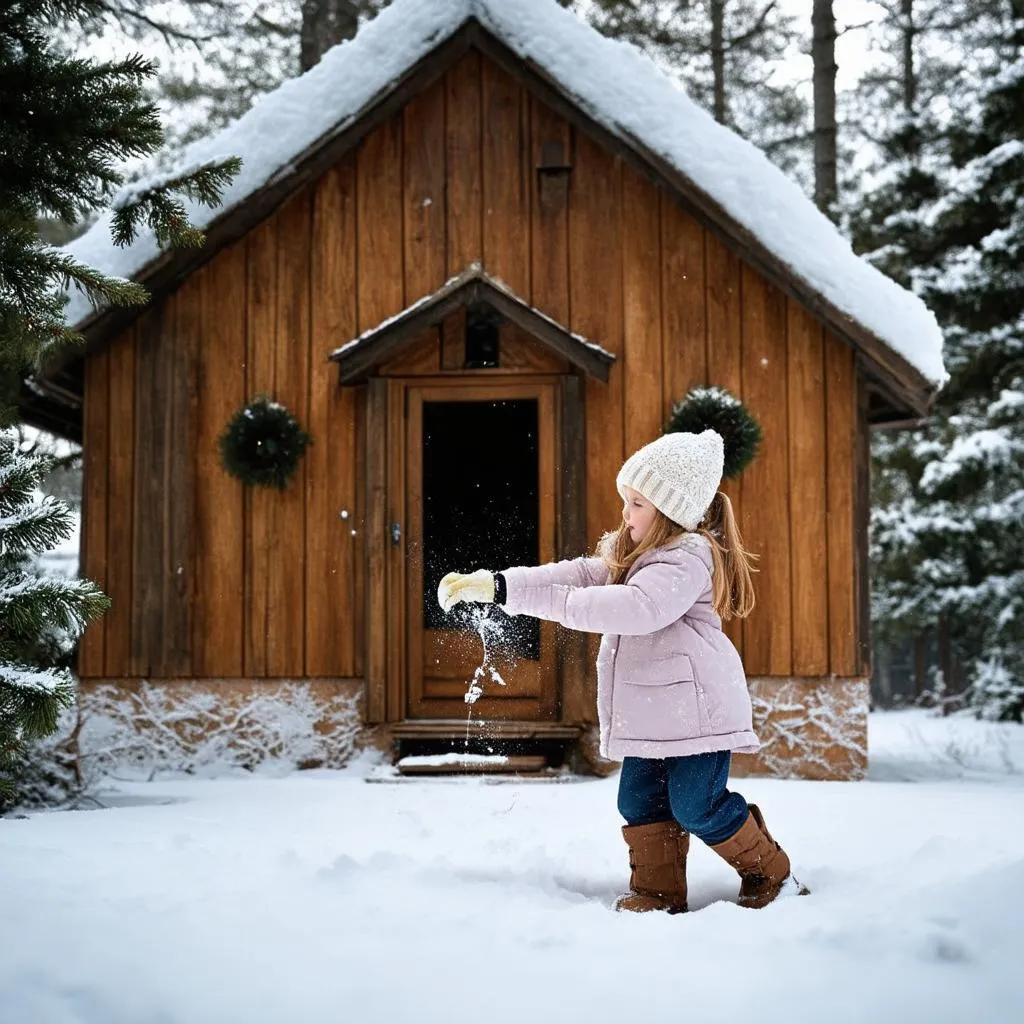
(810, 731)
(997, 692)
(140, 734)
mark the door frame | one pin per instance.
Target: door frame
(541, 703)
(387, 644)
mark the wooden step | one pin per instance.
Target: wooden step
(469, 764)
(500, 729)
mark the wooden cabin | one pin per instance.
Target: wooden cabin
(478, 298)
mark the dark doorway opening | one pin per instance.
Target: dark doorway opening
(480, 504)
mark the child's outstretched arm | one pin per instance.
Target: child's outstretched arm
(485, 586)
(571, 572)
(656, 596)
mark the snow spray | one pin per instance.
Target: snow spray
(486, 628)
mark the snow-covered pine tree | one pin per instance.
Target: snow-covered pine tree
(895, 113)
(66, 126)
(947, 538)
(35, 610)
(899, 112)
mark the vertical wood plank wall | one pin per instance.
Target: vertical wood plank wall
(210, 579)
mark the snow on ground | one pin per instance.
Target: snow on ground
(318, 897)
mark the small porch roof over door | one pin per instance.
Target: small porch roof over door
(473, 288)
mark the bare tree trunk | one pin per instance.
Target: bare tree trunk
(920, 667)
(945, 665)
(909, 32)
(908, 36)
(883, 676)
(823, 54)
(325, 23)
(718, 58)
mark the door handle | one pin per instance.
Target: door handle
(396, 534)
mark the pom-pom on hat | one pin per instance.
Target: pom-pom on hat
(679, 474)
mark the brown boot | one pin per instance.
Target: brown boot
(657, 856)
(761, 862)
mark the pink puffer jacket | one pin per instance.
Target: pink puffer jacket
(669, 681)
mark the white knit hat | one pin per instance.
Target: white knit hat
(678, 474)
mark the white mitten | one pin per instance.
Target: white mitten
(457, 586)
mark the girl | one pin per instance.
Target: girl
(671, 690)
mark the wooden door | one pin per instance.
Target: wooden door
(480, 489)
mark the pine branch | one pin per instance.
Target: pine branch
(37, 527)
(165, 214)
(169, 33)
(797, 138)
(735, 42)
(16, 13)
(277, 28)
(64, 604)
(34, 682)
(857, 27)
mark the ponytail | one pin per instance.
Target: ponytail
(733, 564)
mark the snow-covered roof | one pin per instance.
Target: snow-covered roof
(613, 83)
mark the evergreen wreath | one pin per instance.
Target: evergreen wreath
(716, 409)
(262, 444)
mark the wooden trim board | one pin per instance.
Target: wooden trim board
(358, 358)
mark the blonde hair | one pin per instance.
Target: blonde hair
(732, 563)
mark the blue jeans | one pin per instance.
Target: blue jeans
(690, 789)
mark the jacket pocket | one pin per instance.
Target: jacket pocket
(676, 668)
(657, 700)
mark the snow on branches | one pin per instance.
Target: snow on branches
(154, 730)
